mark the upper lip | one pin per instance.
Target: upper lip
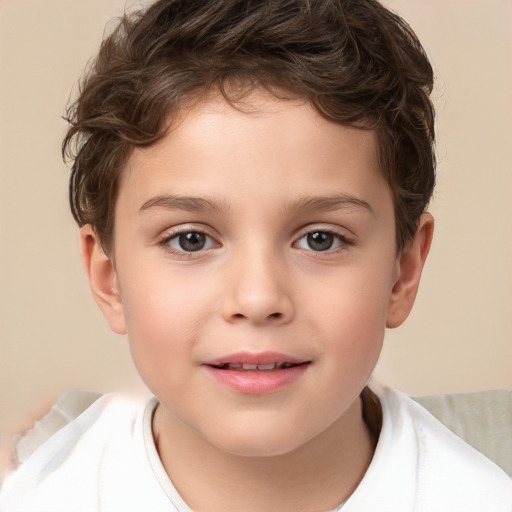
(255, 358)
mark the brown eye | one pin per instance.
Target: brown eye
(190, 241)
(320, 240)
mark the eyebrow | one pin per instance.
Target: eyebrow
(301, 205)
(191, 204)
(328, 203)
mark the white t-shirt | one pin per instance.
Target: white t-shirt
(106, 461)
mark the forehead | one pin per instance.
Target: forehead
(272, 147)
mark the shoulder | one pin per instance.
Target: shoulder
(101, 447)
(420, 465)
(449, 473)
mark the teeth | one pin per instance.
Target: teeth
(247, 366)
(269, 366)
(261, 367)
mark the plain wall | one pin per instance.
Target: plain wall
(52, 336)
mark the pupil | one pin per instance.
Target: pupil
(320, 241)
(192, 241)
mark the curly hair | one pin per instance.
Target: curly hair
(355, 61)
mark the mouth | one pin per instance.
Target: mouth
(262, 362)
(257, 374)
(244, 367)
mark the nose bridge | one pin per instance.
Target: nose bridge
(258, 287)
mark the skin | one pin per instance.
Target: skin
(265, 179)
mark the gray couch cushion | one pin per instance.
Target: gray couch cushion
(483, 419)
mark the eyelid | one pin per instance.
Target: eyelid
(175, 231)
(345, 237)
(326, 228)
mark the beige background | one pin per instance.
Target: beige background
(459, 337)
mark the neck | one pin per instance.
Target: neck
(318, 475)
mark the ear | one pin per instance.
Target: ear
(102, 279)
(410, 264)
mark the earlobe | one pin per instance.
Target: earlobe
(102, 279)
(410, 265)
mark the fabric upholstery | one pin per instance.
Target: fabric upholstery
(483, 419)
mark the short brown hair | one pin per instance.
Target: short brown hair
(353, 60)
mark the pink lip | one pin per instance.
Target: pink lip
(256, 382)
(255, 358)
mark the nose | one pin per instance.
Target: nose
(257, 291)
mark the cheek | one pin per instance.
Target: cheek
(355, 336)
(351, 318)
(165, 317)
(160, 301)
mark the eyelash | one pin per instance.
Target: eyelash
(165, 242)
(342, 240)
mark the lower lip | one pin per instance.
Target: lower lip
(257, 382)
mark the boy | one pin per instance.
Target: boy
(251, 181)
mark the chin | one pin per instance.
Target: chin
(258, 441)
(258, 448)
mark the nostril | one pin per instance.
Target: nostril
(276, 315)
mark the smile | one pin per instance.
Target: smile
(256, 374)
(256, 367)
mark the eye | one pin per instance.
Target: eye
(320, 241)
(189, 241)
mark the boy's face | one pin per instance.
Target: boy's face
(254, 238)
